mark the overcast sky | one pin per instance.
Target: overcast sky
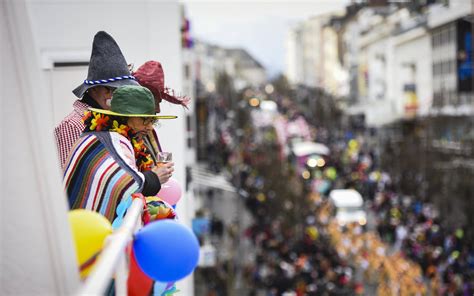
(257, 26)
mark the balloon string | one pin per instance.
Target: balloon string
(89, 261)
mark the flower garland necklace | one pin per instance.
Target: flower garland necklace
(95, 121)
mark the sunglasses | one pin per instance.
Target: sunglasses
(147, 121)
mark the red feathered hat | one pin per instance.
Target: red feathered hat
(151, 76)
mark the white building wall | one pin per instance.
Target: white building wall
(350, 59)
(379, 108)
(373, 80)
(189, 90)
(37, 251)
(331, 67)
(441, 14)
(313, 51)
(254, 76)
(228, 65)
(414, 52)
(351, 38)
(310, 46)
(293, 56)
(304, 52)
(381, 55)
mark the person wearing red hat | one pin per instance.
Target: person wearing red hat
(151, 76)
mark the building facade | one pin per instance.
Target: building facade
(452, 64)
(305, 52)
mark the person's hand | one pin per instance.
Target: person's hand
(164, 171)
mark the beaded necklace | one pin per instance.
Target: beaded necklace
(95, 121)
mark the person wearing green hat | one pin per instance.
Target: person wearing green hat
(110, 161)
(108, 70)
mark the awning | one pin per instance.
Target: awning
(204, 177)
(307, 148)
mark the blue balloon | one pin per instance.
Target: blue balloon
(166, 251)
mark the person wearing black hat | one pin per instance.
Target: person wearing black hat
(107, 71)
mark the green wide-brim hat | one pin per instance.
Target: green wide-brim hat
(133, 101)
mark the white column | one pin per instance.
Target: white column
(37, 252)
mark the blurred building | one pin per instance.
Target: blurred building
(452, 64)
(403, 69)
(412, 80)
(209, 60)
(189, 88)
(374, 67)
(348, 28)
(212, 60)
(415, 84)
(335, 77)
(219, 69)
(314, 56)
(247, 71)
(395, 68)
(294, 55)
(380, 49)
(304, 56)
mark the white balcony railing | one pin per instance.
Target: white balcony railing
(112, 262)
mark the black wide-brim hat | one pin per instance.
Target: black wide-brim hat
(107, 66)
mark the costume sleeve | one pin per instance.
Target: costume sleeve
(66, 134)
(152, 184)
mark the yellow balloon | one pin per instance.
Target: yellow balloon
(89, 230)
(353, 144)
(312, 232)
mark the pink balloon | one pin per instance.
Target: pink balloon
(170, 192)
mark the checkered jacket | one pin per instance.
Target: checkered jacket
(69, 130)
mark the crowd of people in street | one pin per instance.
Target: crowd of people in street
(406, 250)
(414, 228)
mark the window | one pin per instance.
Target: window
(436, 39)
(435, 99)
(444, 67)
(187, 71)
(188, 123)
(453, 66)
(454, 98)
(70, 64)
(436, 69)
(468, 98)
(452, 35)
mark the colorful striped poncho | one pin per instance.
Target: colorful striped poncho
(100, 171)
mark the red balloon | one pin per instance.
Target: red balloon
(139, 284)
